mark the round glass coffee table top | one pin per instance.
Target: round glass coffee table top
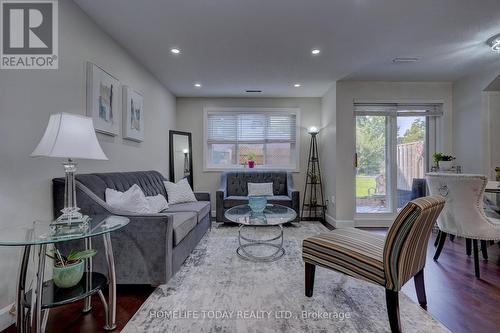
(273, 215)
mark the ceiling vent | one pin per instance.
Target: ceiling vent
(404, 60)
(253, 91)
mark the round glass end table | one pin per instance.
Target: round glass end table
(33, 306)
(272, 216)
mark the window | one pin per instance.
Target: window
(268, 135)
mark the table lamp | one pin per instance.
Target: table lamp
(70, 136)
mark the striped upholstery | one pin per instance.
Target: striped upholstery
(406, 242)
(389, 261)
(351, 251)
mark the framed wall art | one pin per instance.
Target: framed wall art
(133, 115)
(103, 100)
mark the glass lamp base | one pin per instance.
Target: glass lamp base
(71, 222)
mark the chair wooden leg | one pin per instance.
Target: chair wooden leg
(484, 249)
(392, 300)
(442, 239)
(420, 288)
(476, 258)
(468, 246)
(437, 238)
(310, 269)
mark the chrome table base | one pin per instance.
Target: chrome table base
(244, 254)
(35, 318)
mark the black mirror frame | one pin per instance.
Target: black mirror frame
(171, 155)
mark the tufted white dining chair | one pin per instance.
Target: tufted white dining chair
(463, 214)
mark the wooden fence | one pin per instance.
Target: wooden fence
(410, 162)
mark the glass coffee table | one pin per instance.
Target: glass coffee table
(272, 216)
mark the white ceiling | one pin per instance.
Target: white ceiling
(233, 45)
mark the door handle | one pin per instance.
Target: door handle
(356, 160)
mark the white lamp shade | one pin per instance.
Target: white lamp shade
(70, 136)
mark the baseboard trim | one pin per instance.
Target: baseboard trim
(6, 318)
(373, 223)
(339, 223)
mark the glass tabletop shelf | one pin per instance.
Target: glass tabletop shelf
(53, 296)
(272, 215)
(39, 232)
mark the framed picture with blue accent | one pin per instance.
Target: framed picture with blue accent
(133, 115)
(103, 92)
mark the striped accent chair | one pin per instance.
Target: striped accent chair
(387, 261)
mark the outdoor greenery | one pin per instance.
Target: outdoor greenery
(370, 144)
(363, 184)
(416, 132)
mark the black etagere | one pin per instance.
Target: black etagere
(314, 203)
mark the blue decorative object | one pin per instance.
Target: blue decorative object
(257, 203)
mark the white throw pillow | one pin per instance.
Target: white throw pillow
(132, 200)
(179, 192)
(157, 203)
(258, 189)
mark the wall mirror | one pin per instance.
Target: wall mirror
(181, 156)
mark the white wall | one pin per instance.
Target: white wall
(348, 91)
(470, 121)
(190, 119)
(28, 97)
(328, 148)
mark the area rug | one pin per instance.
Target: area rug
(216, 291)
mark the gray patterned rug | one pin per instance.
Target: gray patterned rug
(216, 291)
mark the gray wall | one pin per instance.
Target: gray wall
(190, 119)
(328, 147)
(28, 97)
(470, 120)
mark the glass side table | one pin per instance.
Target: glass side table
(33, 306)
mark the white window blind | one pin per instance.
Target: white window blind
(232, 136)
(251, 128)
(407, 109)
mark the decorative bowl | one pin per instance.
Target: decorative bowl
(257, 203)
(69, 275)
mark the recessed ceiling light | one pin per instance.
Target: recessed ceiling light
(297, 85)
(197, 85)
(405, 59)
(494, 43)
(315, 51)
(175, 50)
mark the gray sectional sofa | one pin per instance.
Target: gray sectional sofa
(152, 247)
(234, 190)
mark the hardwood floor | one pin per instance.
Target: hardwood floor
(454, 296)
(70, 318)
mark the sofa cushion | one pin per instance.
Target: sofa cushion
(184, 222)
(235, 200)
(202, 208)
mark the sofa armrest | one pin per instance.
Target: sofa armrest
(202, 196)
(220, 196)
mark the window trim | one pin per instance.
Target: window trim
(207, 110)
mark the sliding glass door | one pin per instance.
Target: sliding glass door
(393, 145)
(373, 194)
